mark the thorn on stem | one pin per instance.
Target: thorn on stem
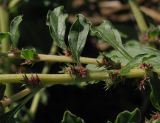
(78, 70)
(146, 66)
(67, 52)
(142, 83)
(155, 115)
(33, 80)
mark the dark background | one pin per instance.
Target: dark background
(93, 103)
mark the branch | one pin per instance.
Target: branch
(52, 78)
(59, 79)
(56, 58)
(7, 101)
(67, 78)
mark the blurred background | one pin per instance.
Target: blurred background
(93, 103)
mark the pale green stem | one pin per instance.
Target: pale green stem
(52, 52)
(7, 101)
(59, 79)
(56, 58)
(52, 78)
(45, 70)
(68, 79)
(35, 102)
(4, 24)
(138, 16)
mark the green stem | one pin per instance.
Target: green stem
(35, 103)
(45, 70)
(52, 78)
(4, 25)
(67, 78)
(58, 79)
(138, 16)
(56, 58)
(53, 51)
(16, 97)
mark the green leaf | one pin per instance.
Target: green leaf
(77, 36)
(68, 117)
(135, 48)
(56, 21)
(155, 87)
(137, 60)
(4, 35)
(95, 68)
(28, 54)
(129, 117)
(154, 33)
(14, 30)
(107, 33)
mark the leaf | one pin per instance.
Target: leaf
(77, 36)
(4, 35)
(154, 33)
(95, 68)
(28, 54)
(14, 30)
(68, 117)
(137, 60)
(129, 117)
(155, 87)
(107, 33)
(56, 22)
(134, 48)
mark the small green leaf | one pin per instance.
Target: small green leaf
(107, 33)
(129, 117)
(56, 21)
(14, 30)
(154, 33)
(132, 63)
(155, 87)
(68, 117)
(77, 36)
(28, 54)
(4, 35)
